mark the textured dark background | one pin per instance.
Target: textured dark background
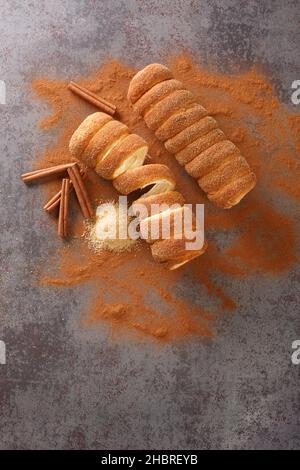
(66, 386)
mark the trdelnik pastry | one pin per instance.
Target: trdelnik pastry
(108, 146)
(193, 136)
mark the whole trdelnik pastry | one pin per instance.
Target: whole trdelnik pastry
(193, 136)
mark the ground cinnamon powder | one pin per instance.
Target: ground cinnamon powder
(131, 292)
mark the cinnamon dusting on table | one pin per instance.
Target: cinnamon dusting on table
(131, 292)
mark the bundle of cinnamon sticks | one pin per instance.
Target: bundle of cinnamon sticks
(61, 198)
(74, 180)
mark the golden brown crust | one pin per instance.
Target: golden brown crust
(102, 140)
(224, 175)
(231, 194)
(212, 158)
(154, 204)
(155, 94)
(146, 79)
(173, 253)
(85, 132)
(179, 121)
(108, 166)
(143, 176)
(176, 101)
(199, 145)
(191, 133)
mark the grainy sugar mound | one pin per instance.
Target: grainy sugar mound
(264, 241)
(109, 231)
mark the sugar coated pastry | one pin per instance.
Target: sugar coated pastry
(191, 135)
(108, 146)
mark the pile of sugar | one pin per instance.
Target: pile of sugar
(109, 230)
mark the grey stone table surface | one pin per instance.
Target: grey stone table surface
(64, 386)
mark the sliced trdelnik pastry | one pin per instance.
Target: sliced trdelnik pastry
(108, 146)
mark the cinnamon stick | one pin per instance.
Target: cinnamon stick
(63, 209)
(66, 205)
(81, 192)
(55, 200)
(92, 98)
(60, 227)
(37, 174)
(83, 189)
(93, 95)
